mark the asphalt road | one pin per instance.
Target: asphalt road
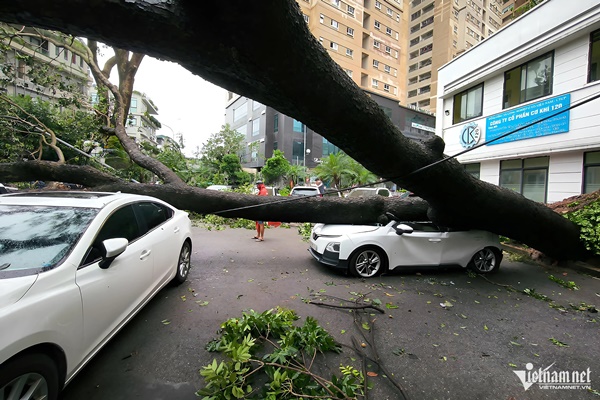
(467, 351)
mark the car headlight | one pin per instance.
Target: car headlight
(333, 247)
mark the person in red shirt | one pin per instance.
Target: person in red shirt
(260, 225)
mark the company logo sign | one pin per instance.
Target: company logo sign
(470, 135)
(549, 379)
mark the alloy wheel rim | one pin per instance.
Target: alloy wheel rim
(485, 260)
(368, 263)
(32, 386)
(184, 261)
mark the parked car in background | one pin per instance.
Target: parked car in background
(304, 191)
(7, 189)
(366, 192)
(369, 250)
(75, 267)
(220, 187)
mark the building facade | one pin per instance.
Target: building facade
(20, 76)
(141, 122)
(367, 38)
(438, 31)
(540, 66)
(265, 130)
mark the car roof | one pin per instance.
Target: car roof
(68, 198)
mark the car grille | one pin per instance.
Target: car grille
(315, 236)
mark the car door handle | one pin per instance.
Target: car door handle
(435, 240)
(176, 230)
(145, 254)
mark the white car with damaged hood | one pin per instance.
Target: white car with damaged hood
(369, 250)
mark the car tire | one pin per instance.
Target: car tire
(485, 261)
(183, 263)
(368, 262)
(30, 372)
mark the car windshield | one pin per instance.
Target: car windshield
(39, 237)
(362, 193)
(304, 191)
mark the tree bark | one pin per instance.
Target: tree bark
(266, 52)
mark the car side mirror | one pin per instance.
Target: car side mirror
(403, 228)
(112, 248)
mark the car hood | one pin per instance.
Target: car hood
(13, 289)
(337, 230)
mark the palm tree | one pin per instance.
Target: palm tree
(361, 175)
(335, 169)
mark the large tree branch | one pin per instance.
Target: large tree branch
(239, 48)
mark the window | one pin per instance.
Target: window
(375, 64)
(374, 83)
(329, 148)
(415, 15)
(306, 18)
(591, 172)
(375, 44)
(153, 214)
(387, 68)
(377, 25)
(57, 50)
(131, 120)
(350, 31)
(276, 123)
(388, 31)
(256, 127)
(336, 3)
(256, 105)
(386, 87)
(526, 176)
(528, 81)
(594, 73)
(350, 10)
(334, 24)
(473, 169)
(133, 105)
(468, 104)
(73, 58)
(321, 18)
(298, 126)
(388, 49)
(377, 5)
(65, 54)
(240, 112)
(349, 52)
(349, 72)
(333, 45)
(390, 12)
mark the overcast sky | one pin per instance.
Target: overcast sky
(187, 104)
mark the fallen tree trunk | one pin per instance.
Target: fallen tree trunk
(239, 48)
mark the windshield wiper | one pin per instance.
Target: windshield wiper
(4, 266)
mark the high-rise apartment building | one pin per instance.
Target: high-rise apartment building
(438, 31)
(367, 38)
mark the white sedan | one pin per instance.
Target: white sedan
(75, 267)
(370, 250)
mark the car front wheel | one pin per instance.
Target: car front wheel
(368, 262)
(183, 263)
(29, 377)
(485, 261)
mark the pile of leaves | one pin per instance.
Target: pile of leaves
(583, 210)
(283, 371)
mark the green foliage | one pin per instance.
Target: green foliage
(276, 168)
(588, 220)
(304, 230)
(569, 285)
(340, 170)
(282, 370)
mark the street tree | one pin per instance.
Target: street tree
(307, 85)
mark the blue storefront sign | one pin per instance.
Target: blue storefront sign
(500, 124)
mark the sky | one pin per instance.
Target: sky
(187, 104)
